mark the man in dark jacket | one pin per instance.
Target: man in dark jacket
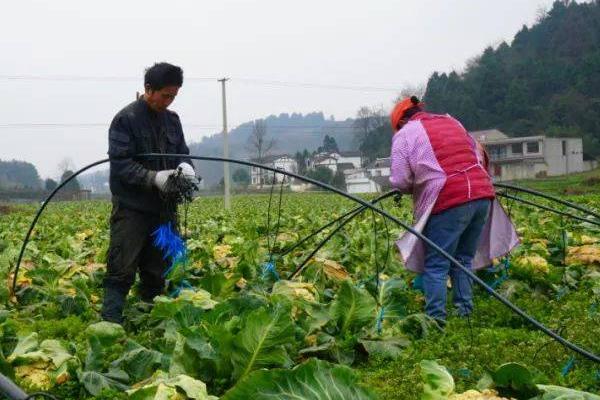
(144, 126)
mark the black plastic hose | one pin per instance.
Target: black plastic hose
(547, 208)
(9, 389)
(341, 217)
(549, 197)
(538, 325)
(322, 243)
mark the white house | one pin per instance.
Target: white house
(360, 181)
(351, 157)
(534, 157)
(283, 162)
(379, 167)
(332, 160)
(328, 160)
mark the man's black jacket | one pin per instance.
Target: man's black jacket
(137, 129)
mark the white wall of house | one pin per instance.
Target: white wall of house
(354, 160)
(361, 185)
(383, 171)
(522, 170)
(535, 156)
(358, 173)
(564, 155)
(287, 164)
(329, 162)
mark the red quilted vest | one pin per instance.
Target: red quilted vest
(455, 152)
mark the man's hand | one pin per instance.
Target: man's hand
(161, 178)
(188, 172)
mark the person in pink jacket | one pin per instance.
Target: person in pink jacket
(440, 164)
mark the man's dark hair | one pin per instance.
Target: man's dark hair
(163, 74)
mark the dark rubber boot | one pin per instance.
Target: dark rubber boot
(113, 304)
(148, 293)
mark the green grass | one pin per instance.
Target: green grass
(574, 184)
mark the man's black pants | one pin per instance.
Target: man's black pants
(131, 250)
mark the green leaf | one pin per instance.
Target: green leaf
(25, 345)
(438, 383)
(550, 392)
(167, 307)
(418, 326)
(101, 337)
(260, 343)
(352, 308)
(514, 379)
(485, 382)
(193, 355)
(161, 387)
(393, 295)
(94, 381)
(313, 380)
(106, 333)
(139, 363)
(387, 348)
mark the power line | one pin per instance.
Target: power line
(87, 78)
(276, 83)
(251, 81)
(78, 125)
(105, 125)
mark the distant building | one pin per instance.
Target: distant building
(532, 156)
(283, 162)
(325, 160)
(332, 160)
(350, 157)
(373, 178)
(380, 167)
(359, 181)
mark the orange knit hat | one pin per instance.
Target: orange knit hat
(397, 113)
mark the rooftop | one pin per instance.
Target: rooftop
(380, 163)
(488, 135)
(271, 158)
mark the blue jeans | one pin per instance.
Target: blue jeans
(457, 230)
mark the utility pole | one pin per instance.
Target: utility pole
(225, 147)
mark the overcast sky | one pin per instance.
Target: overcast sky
(376, 46)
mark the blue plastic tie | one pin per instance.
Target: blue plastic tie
(561, 293)
(464, 372)
(269, 269)
(171, 244)
(568, 366)
(593, 308)
(183, 285)
(418, 283)
(380, 318)
(503, 267)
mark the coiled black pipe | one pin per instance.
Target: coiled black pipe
(538, 325)
(9, 389)
(548, 197)
(352, 212)
(546, 208)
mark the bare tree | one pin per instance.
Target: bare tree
(259, 145)
(66, 164)
(367, 120)
(362, 124)
(411, 90)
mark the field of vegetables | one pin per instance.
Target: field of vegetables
(335, 332)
